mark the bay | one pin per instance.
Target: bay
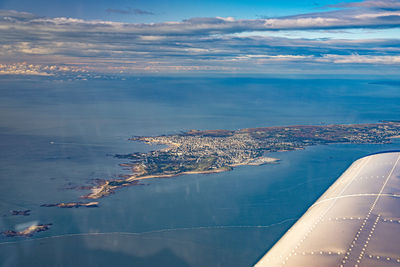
(58, 134)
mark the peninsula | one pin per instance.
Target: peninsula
(213, 151)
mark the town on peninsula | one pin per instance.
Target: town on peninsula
(211, 151)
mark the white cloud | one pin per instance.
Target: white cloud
(361, 59)
(223, 43)
(264, 58)
(377, 15)
(324, 20)
(23, 68)
(382, 4)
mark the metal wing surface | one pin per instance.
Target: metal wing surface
(356, 222)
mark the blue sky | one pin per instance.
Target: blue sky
(47, 37)
(164, 10)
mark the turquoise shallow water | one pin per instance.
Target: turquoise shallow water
(56, 135)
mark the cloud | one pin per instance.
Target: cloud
(24, 68)
(270, 58)
(129, 11)
(361, 59)
(343, 19)
(195, 44)
(376, 4)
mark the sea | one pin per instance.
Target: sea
(58, 135)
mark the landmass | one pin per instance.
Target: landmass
(27, 232)
(73, 205)
(20, 212)
(212, 151)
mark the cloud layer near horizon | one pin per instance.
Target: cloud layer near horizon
(207, 44)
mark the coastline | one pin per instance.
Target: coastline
(106, 189)
(214, 151)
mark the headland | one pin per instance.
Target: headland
(212, 151)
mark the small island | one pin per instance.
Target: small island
(73, 205)
(27, 232)
(212, 151)
(20, 212)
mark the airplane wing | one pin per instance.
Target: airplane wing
(356, 222)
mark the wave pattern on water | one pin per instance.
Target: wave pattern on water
(212, 227)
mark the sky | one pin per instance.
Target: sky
(159, 11)
(284, 37)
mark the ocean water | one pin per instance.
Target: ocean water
(58, 135)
